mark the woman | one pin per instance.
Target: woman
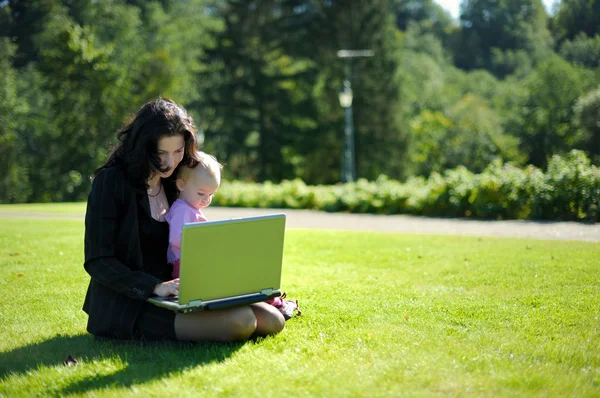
(126, 239)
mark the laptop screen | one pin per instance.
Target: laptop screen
(229, 258)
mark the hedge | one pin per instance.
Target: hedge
(568, 190)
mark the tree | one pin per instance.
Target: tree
(23, 20)
(381, 138)
(427, 14)
(587, 114)
(14, 185)
(175, 34)
(82, 67)
(574, 17)
(77, 71)
(582, 50)
(470, 135)
(501, 36)
(545, 127)
(256, 110)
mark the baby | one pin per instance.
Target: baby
(196, 189)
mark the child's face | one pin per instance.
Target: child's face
(198, 190)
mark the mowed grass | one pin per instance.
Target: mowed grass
(77, 208)
(384, 315)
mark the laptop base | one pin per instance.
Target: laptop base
(172, 304)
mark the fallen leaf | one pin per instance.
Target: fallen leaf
(19, 275)
(70, 361)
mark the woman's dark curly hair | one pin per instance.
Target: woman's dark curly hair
(137, 149)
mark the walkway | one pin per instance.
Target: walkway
(422, 225)
(401, 223)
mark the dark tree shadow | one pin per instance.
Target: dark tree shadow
(143, 361)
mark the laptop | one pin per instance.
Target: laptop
(227, 263)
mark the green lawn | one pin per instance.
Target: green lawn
(46, 208)
(384, 315)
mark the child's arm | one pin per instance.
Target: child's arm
(176, 219)
(181, 215)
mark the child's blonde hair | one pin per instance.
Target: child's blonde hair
(207, 165)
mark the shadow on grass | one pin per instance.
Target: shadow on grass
(138, 362)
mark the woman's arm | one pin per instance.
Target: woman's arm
(105, 206)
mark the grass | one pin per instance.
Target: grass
(384, 315)
(45, 208)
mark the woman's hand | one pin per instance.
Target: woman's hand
(168, 288)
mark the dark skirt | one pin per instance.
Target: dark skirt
(155, 324)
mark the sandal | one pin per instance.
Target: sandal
(286, 307)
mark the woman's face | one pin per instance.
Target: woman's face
(171, 151)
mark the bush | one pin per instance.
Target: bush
(568, 190)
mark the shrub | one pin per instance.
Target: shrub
(568, 190)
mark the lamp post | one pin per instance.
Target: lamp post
(345, 97)
(348, 167)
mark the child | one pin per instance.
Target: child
(196, 189)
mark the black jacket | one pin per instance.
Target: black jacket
(113, 258)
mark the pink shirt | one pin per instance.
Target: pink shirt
(180, 213)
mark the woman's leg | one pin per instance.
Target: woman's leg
(223, 325)
(229, 325)
(269, 319)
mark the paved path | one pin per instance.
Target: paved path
(405, 224)
(426, 225)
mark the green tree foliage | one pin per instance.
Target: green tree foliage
(582, 50)
(587, 113)
(257, 108)
(575, 17)
(23, 21)
(174, 34)
(546, 126)
(91, 64)
(380, 135)
(71, 58)
(427, 14)
(501, 36)
(455, 117)
(470, 135)
(269, 96)
(14, 181)
(261, 79)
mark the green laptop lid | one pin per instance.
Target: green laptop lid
(229, 258)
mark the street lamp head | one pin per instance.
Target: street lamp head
(345, 95)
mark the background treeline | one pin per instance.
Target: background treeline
(507, 82)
